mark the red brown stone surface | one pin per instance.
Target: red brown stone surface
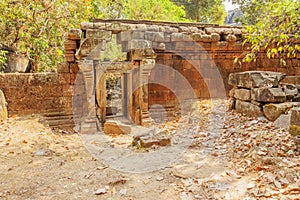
(192, 61)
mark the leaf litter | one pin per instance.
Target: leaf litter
(248, 158)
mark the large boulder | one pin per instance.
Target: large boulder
(248, 108)
(283, 121)
(254, 79)
(268, 95)
(295, 122)
(242, 94)
(3, 107)
(273, 111)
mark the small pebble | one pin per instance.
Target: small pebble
(100, 191)
(123, 192)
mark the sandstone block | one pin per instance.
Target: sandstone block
(248, 108)
(231, 38)
(124, 36)
(256, 103)
(140, 27)
(70, 45)
(273, 111)
(242, 94)
(69, 56)
(176, 37)
(86, 25)
(117, 27)
(283, 121)
(196, 37)
(295, 121)
(154, 36)
(253, 79)
(98, 34)
(139, 44)
(99, 25)
(180, 37)
(88, 45)
(210, 30)
(140, 54)
(193, 29)
(138, 35)
(74, 34)
(146, 138)
(295, 117)
(206, 38)
(268, 95)
(153, 27)
(183, 29)
(3, 107)
(116, 128)
(215, 37)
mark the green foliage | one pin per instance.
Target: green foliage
(36, 27)
(154, 10)
(275, 30)
(206, 11)
(139, 10)
(252, 10)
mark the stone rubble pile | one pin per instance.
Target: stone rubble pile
(269, 94)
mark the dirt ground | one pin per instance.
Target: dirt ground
(244, 158)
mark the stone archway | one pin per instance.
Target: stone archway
(135, 74)
(206, 47)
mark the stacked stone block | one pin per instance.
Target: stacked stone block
(268, 94)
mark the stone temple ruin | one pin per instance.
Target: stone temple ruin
(165, 65)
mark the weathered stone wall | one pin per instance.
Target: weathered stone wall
(47, 94)
(219, 54)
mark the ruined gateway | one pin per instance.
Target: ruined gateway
(166, 64)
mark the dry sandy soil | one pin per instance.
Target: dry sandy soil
(247, 159)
